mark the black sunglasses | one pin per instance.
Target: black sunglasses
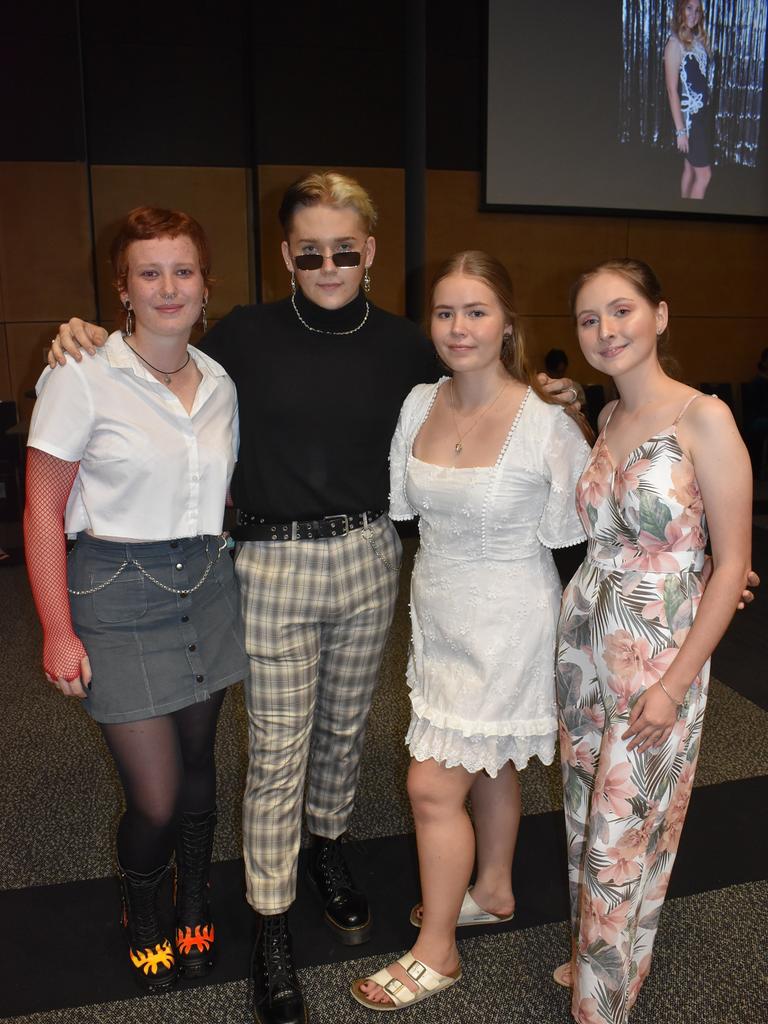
(315, 260)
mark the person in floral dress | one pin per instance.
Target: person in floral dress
(637, 629)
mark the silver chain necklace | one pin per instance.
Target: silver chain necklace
(319, 330)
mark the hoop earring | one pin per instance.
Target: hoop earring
(129, 318)
(204, 315)
(293, 283)
(366, 281)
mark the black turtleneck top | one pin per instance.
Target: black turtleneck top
(317, 411)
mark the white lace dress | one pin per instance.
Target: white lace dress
(485, 593)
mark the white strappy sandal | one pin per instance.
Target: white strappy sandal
(429, 984)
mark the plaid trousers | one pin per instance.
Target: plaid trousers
(317, 614)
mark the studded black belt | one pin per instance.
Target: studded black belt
(252, 526)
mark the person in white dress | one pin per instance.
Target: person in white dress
(490, 467)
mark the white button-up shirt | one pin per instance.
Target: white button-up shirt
(148, 469)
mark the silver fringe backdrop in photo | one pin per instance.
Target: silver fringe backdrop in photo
(736, 30)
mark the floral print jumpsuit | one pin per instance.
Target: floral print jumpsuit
(625, 614)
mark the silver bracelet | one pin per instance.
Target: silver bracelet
(679, 703)
(681, 131)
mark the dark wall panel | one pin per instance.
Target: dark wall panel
(166, 85)
(40, 82)
(329, 84)
(455, 72)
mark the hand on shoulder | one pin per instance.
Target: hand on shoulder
(72, 338)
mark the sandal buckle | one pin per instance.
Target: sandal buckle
(416, 970)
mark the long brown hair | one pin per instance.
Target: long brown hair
(492, 272)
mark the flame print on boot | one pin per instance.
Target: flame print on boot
(201, 939)
(194, 928)
(150, 959)
(150, 949)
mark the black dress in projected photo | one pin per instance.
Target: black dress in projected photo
(687, 66)
(693, 78)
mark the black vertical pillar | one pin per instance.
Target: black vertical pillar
(415, 156)
(254, 23)
(87, 160)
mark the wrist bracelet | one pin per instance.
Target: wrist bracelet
(679, 703)
(681, 131)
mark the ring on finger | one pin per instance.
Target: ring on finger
(575, 394)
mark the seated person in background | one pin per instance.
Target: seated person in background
(756, 413)
(556, 360)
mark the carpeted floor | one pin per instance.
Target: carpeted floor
(61, 956)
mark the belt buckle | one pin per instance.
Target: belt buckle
(343, 519)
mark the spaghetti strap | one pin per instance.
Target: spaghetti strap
(683, 411)
(610, 414)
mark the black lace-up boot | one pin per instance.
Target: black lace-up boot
(346, 908)
(150, 948)
(277, 997)
(194, 928)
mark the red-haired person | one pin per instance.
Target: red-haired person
(132, 452)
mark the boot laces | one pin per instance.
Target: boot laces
(334, 867)
(195, 840)
(143, 913)
(277, 955)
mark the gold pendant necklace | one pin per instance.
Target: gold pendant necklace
(459, 446)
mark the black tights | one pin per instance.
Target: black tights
(166, 766)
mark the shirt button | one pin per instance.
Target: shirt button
(185, 618)
(200, 679)
(192, 647)
(195, 477)
(179, 565)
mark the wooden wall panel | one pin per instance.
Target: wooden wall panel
(28, 345)
(6, 391)
(717, 348)
(216, 196)
(543, 252)
(706, 268)
(45, 249)
(386, 186)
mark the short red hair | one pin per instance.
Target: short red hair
(146, 222)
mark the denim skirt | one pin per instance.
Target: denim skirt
(157, 641)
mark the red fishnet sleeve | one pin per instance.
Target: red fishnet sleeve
(49, 481)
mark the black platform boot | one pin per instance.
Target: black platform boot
(345, 906)
(277, 997)
(151, 951)
(194, 928)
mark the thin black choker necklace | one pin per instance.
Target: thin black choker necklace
(319, 330)
(167, 374)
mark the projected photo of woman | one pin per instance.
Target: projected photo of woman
(687, 63)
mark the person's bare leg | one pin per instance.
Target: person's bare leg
(686, 182)
(446, 845)
(701, 179)
(496, 813)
